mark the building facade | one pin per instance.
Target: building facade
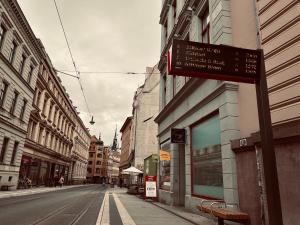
(49, 142)
(113, 165)
(19, 58)
(80, 152)
(279, 37)
(125, 148)
(143, 140)
(212, 112)
(98, 160)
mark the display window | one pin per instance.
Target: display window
(207, 176)
(164, 166)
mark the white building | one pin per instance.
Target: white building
(143, 141)
(19, 58)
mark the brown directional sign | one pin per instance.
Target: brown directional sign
(219, 62)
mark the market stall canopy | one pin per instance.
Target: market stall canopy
(131, 170)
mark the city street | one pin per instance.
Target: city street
(88, 205)
(78, 205)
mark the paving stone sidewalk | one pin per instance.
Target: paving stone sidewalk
(147, 212)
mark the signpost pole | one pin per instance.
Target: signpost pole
(267, 149)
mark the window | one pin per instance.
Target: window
(91, 154)
(207, 178)
(2, 34)
(99, 155)
(12, 53)
(90, 162)
(14, 102)
(22, 64)
(38, 97)
(13, 156)
(205, 27)
(89, 170)
(164, 165)
(3, 149)
(164, 95)
(45, 105)
(98, 162)
(23, 109)
(40, 135)
(3, 91)
(30, 74)
(97, 170)
(174, 12)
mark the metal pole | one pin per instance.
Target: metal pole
(267, 149)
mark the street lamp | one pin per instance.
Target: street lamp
(92, 121)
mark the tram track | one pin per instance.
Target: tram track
(87, 200)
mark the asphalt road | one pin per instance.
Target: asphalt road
(78, 206)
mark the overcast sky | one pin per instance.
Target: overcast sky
(104, 35)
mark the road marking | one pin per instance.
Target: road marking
(125, 217)
(103, 216)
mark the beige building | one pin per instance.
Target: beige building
(49, 143)
(80, 152)
(19, 58)
(279, 37)
(113, 165)
(143, 140)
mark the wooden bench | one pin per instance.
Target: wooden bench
(4, 187)
(218, 210)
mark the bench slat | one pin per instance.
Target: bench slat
(224, 213)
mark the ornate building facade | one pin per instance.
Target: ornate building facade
(19, 57)
(48, 147)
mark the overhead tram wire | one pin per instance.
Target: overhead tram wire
(105, 72)
(72, 58)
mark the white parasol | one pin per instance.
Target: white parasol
(132, 170)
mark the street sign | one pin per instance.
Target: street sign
(177, 136)
(219, 62)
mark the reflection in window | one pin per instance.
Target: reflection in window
(206, 158)
(164, 164)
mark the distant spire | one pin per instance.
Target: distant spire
(99, 136)
(115, 141)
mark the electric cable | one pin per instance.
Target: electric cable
(72, 58)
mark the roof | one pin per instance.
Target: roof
(127, 121)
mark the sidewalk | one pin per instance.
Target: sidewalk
(146, 212)
(33, 190)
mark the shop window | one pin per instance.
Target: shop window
(207, 178)
(164, 166)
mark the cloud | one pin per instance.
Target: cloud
(114, 35)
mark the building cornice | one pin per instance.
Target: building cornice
(19, 19)
(184, 93)
(4, 121)
(42, 149)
